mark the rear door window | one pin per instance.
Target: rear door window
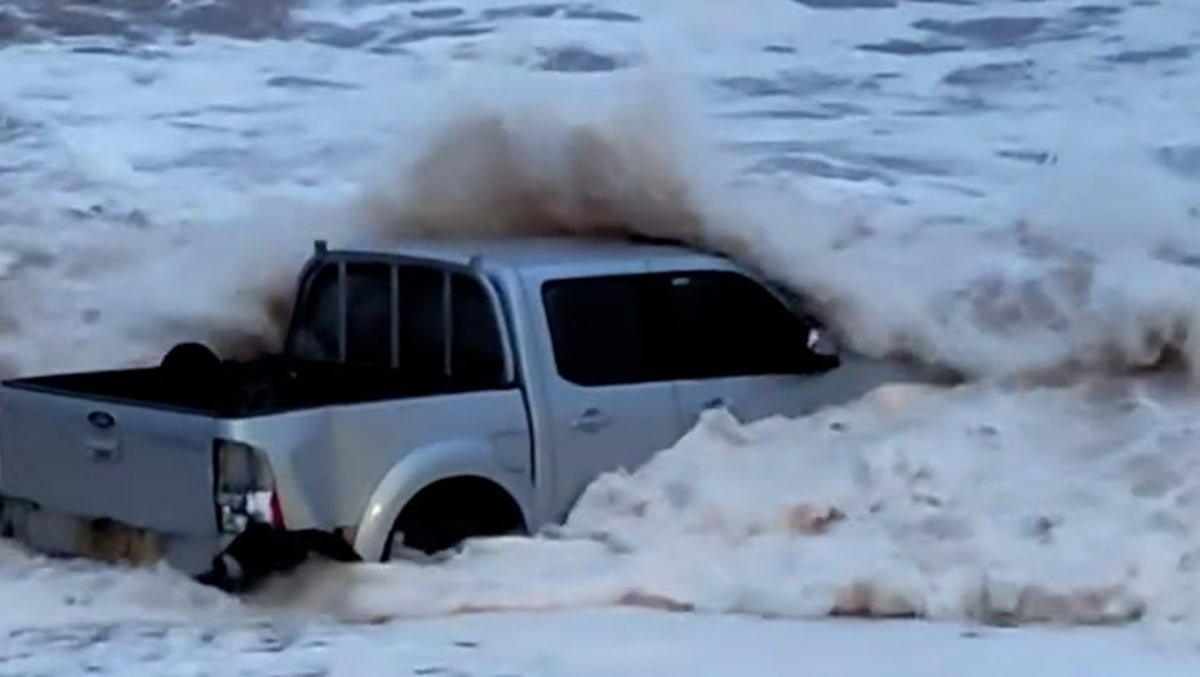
(422, 322)
(606, 330)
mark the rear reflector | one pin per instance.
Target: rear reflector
(276, 511)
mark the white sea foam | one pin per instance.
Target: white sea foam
(1062, 505)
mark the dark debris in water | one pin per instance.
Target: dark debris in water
(13, 127)
(598, 14)
(575, 59)
(848, 4)
(1176, 257)
(899, 47)
(1037, 157)
(1002, 31)
(902, 164)
(558, 10)
(438, 13)
(109, 50)
(464, 29)
(789, 83)
(1144, 56)
(305, 82)
(825, 110)
(334, 35)
(878, 4)
(537, 11)
(1004, 73)
(1183, 160)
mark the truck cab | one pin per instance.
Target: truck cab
(428, 391)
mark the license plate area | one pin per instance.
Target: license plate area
(110, 541)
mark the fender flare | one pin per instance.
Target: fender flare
(419, 469)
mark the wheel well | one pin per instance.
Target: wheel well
(454, 508)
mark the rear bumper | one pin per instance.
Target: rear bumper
(233, 562)
(59, 534)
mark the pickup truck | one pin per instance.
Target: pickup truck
(427, 391)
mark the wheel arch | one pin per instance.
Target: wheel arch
(431, 468)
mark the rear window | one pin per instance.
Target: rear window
(425, 323)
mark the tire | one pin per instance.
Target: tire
(432, 537)
(440, 522)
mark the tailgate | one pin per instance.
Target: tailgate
(146, 467)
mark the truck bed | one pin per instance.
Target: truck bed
(238, 389)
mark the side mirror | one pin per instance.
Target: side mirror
(821, 357)
(820, 343)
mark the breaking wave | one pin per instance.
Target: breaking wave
(1099, 277)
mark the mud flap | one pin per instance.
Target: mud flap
(262, 550)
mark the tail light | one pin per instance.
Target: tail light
(244, 487)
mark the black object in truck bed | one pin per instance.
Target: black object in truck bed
(193, 380)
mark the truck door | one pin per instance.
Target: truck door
(609, 392)
(737, 346)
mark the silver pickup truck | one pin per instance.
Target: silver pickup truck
(427, 392)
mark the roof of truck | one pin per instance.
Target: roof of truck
(530, 251)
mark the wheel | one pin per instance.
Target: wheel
(445, 514)
(436, 535)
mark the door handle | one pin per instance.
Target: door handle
(720, 403)
(103, 451)
(591, 420)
